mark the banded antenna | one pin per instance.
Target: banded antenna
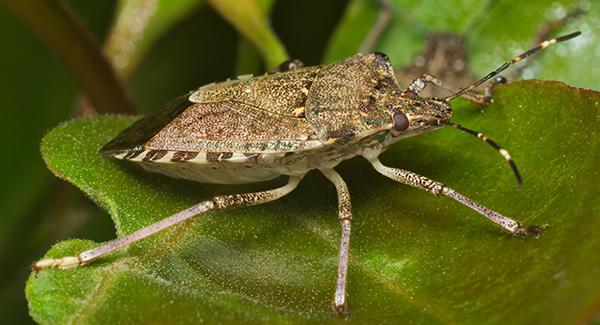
(494, 145)
(512, 61)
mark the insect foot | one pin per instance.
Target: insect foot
(534, 230)
(340, 309)
(66, 262)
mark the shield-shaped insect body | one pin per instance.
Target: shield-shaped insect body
(254, 129)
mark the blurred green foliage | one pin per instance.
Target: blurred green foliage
(200, 47)
(37, 93)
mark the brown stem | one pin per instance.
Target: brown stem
(77, 50)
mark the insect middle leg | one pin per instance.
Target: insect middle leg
(214, 204)
(345, 219)
(421, 182)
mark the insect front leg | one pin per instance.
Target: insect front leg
(419, 84)
(421, 182)
(345, 219)
(214, 204)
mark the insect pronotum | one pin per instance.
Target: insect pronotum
(303, 118)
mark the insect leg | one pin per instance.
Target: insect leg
(214, 204)
(421, 182)
(291, 64)
(419, 84)
(345, 218)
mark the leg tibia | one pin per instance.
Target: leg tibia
(437, 188)
(345, 218)
(409, 178)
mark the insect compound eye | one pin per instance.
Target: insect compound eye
(400, 121)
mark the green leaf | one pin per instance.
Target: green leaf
(26, 228)
(414, 257)
(248, 57)
(351, 31)
(138, 26)
(250, 20)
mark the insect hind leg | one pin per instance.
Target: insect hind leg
(217, 203)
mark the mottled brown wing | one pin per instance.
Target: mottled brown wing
(228, 126)
(141, 131)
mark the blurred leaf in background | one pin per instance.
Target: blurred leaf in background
(36, 93)
(230, 265)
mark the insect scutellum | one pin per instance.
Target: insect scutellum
(305, 118)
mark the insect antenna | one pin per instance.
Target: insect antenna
(494, 145)
(514, 60)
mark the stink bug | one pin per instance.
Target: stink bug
(254, 129)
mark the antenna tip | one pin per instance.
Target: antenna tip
(568, 36)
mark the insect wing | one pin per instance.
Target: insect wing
(233, 127)
(227, 126)
(136, 135)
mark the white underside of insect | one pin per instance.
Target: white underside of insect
(241, 169)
